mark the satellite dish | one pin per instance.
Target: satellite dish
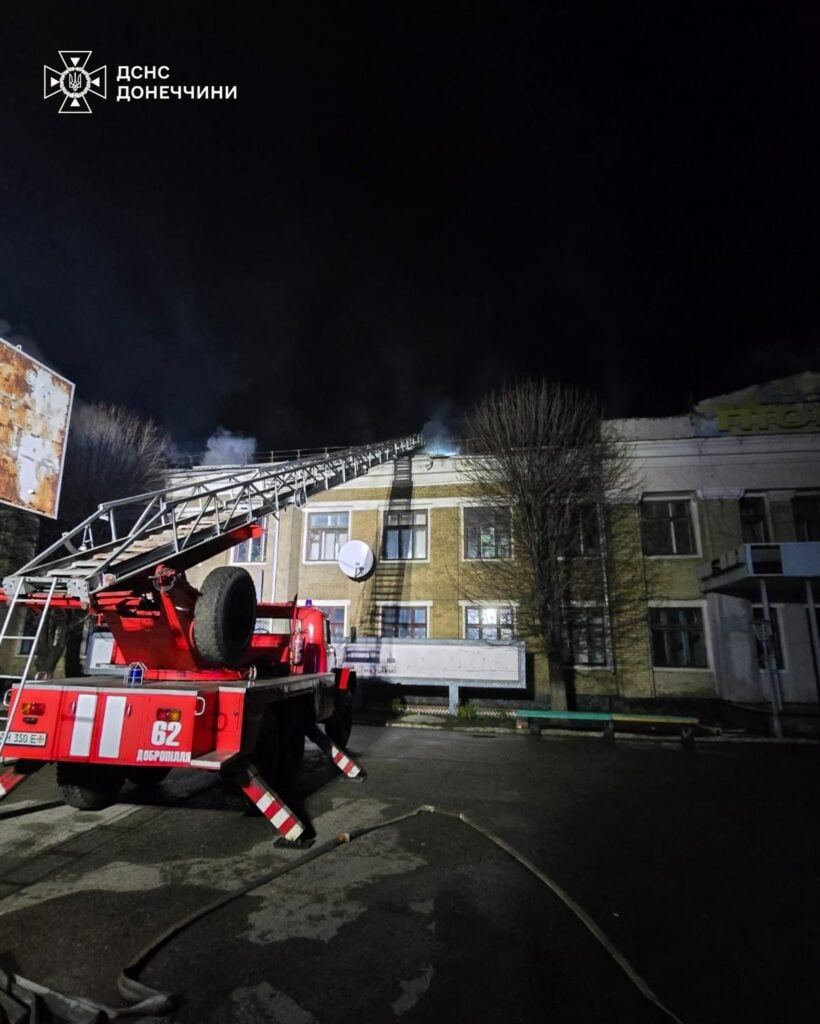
(356, 559)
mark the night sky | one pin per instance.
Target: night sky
(411, 203)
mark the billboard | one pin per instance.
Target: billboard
(35, 408)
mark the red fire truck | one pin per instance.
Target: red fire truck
(199, 683)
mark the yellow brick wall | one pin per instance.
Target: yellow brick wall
(444, 579)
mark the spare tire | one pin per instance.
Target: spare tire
(225, 616)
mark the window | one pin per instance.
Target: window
(678, 640)
(405, 535)
(586, 635)
(806, 509)
(327, 532)
(487, 533)
(586, 539)
(404, 621)
(336, 614)
(754, 528)
(666, 528)
(489, 623)
(775, 644)
(252, 550)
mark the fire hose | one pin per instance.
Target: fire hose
(145, 1001)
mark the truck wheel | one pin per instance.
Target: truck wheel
(225, 616)
(88, 787)
(340, 724)
(145, 778)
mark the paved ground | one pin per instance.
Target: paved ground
(700, 866)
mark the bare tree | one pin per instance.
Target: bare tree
(112, 453)
(18, 537)
(542, 450)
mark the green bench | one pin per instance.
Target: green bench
(610, 720)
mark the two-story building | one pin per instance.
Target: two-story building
(739, 469)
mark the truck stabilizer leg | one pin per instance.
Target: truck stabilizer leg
(10, 780)
(344, 762)
(272, 806)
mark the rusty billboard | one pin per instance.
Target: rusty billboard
(35, 408)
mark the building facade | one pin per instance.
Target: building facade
(740, 469)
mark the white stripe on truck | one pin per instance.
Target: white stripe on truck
(83, 725)
(113, 719)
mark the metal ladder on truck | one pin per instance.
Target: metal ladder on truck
(11, 778)
(187, 522)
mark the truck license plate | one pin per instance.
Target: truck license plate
(25, 739)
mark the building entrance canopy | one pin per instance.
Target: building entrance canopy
(786, 568)
(786, 572)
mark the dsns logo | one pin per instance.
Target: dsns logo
(74, 81)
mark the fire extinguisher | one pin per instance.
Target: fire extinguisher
(297, 646)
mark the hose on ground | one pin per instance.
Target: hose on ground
(130, 988)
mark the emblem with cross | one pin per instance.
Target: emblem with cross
(74, 81)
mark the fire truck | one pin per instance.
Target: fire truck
(209, 678)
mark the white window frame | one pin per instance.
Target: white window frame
(464, 509)
(500, 605)
(707, 635)
(381, 605)
(651, 498)
(334, 511)
(413, 510)
(263, 542)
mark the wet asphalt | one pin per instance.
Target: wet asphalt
(700, 868)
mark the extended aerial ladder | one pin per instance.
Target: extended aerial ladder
(187, 522)
(126, 564)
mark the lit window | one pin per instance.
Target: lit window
(326, 533)
(487, 533)
(586, 635)
(404, 622)
(678, 640)
(405, 535)
(806, 509)
(489, 623)
(666, 528)
(755, 529)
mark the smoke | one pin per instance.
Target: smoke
(226, 449)
(441, 430)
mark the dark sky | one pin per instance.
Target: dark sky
(410, 203)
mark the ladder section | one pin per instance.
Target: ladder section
(20, 600)
(397, 532)
(188, 521)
